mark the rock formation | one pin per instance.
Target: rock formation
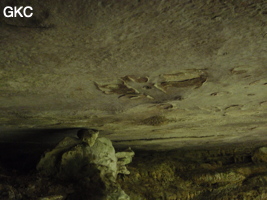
(181, 82)
(89, 160)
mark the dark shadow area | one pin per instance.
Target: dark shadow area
(21, 149)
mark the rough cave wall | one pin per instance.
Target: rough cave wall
(135, 69)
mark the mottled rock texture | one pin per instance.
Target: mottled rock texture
(148, 74)
(211, 174)
(216, 174)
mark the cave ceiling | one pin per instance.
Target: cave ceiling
(147, 74)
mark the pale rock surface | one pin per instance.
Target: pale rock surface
(92, 161)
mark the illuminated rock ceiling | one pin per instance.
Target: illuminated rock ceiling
(147, 74)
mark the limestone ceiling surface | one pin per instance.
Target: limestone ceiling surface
(147, 74)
